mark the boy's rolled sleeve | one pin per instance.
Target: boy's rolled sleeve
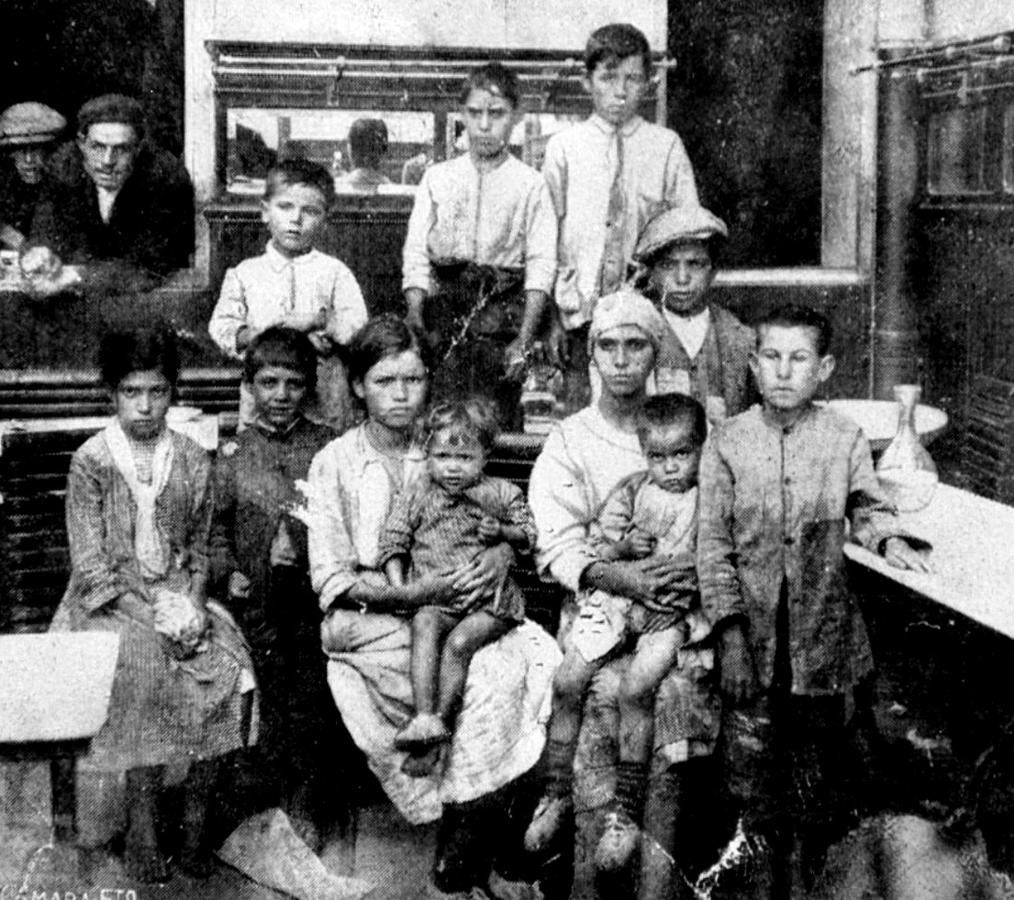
(230, 314)
(415, 267)
(680, 183)
(348, 308)
(540, 241)
(721, 597)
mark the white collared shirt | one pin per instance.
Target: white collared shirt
(691, 330)
(262, 290)
(579, 169)
(106, 201)
(501, 217)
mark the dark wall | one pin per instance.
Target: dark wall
(848, 310)
(63, 52)
(746, 97)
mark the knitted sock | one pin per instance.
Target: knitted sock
(559, 762)
(630, 783)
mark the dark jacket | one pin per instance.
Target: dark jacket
(151, 226)
(726, 356)
(255, 490)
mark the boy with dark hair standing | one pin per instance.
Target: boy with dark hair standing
(608, 176)
(296, 285)
(480, 253)
(778, 485)
(258, 565)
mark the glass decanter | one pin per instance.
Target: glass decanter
(539, 395)
(907, 472)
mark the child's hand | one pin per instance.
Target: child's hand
(490, 530)
(283, 550)
(639, 544)
(40, 263)
(902, 555)
(515, 359)
(738, 681)
(239, 586)
(321, 341)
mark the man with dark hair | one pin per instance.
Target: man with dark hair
(113, 197)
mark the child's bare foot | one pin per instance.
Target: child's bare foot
(547, 821)
(618, 842)
(422, 763)
(424, 730)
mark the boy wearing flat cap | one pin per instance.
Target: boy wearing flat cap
(707, 351)
(28, 134)
(113, 198)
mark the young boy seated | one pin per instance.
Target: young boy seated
(295, 285)
(259, 564)
(650, 513)
(434, 529)
(779, 484)
(608, 176)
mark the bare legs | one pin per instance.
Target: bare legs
(442, 648)
(653, 659)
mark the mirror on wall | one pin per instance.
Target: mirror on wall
(256, 137)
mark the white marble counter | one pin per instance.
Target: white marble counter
(973, 557)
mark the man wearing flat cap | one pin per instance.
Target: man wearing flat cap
(707, 350)
(114, 198)
(28, 134)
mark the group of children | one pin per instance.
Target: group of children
(496, 253)
(752, 554)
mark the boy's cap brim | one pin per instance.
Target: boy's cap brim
(30, 123)
(675, 225)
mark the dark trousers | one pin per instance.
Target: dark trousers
(477, 313)
(303, 746)
(790, 766)
(576, 384)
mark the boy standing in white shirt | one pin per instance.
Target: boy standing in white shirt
(608, 175)
(294, 285)
(480, 253)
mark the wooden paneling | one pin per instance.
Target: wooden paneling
(965, 291)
